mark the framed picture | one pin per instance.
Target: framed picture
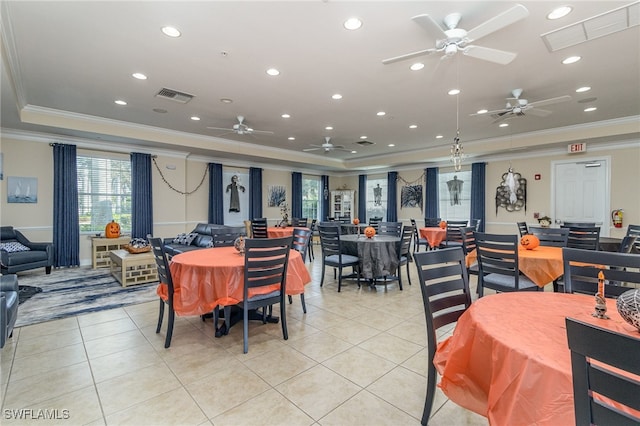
(277, 195)
(411, 196)
(22, 189)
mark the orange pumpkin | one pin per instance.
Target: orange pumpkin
(443, 224)
(356, 221)
(112, 230)
(369, 231)
(529, 242)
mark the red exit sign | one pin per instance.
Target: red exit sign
(577, 147)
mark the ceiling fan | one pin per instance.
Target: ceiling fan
(453, 39)
(517, 106)
(241, 128)
(327, 146)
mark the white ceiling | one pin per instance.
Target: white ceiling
(64, 64)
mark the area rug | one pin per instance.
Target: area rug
(77, 291)
(25, 292)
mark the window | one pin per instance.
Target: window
(104, 193)
(377, 198)
(454, 189)
(311, 197)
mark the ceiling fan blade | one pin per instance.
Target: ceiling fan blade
(498, 22)
(408, 56)
(502, 117)
(501, 57)
(262, 132)
(433, 28)
(538, 112)
(311, 149)
(221, 128)
(551, 101)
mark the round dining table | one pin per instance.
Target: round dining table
(378, 255)
(508, 358)
(434, 235)
(279, 232)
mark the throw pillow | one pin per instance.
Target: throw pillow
(185, 239)
(13, 247)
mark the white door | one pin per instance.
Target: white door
(581, 192)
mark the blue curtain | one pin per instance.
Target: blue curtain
(362, 198)
(478, 173)
(392, 197)
(296, 194)
(216, 208)
(66, 225)
(432, 201)
(324, 205)
(255, 192)
(141, 196)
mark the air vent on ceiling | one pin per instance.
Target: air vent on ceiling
(364, 143)
(174, 95)
(597, 26)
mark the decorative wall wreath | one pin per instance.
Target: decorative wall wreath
(512, 192)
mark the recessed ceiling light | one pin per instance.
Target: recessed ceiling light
(328, 128)
(352, 23)
(336, 96)
(291, 138)
(482, 111)
(439, 136)
(120, 102)
(583, 89)
(363, 137)
(354, 152)
(571, 60)
(559, 12)
(139, 76)
(454, 91)
(381, 113)
(391, 145)
(413, 126)
(504, 125)
(285, 115)
(171, 31)
(590, 109)
(226, 100)
(417, 66)
(195, 118)
(273, 72)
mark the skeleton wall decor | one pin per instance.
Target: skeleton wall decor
(512, 192)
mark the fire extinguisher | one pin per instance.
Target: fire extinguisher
(616, 217)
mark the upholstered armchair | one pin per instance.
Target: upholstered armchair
(17, 253)
(8, 306)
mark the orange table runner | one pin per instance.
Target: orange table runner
(509, 360)
(541, 265)
(206, 278)
(277, 232)
(434, 235)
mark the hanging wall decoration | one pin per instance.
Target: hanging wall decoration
(411, 196)
(512, 192)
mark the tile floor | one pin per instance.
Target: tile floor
(357, 357)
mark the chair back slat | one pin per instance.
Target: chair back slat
(587, 238)
(552, 237)
(390, 228)
(299, 221)
(523, 229)
(430, 222)
(265, 262)
(259, 228)
(300, 241)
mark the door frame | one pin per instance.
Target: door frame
(606, 225)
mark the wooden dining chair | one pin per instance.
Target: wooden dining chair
(523, 229)
(265, 265)
(393, 229)
(259, 228)
(300, 243)
(581, 269)
(552, 237)
(498, 264)
(164, 276)
(595, 353)
(417, 240)
(582, 237)
(332, 254)
(444, 283)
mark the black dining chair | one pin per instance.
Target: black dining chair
(586, 238)
(393, 229)
(444, 284)
(552, 237)
(332, 254)
(259, 228)
(469, 245)
(312, 228)
(578, 224)
(581, 268)
(164, 276)
(374, 221)
(417, 240)
(300, 243)
(265, 265)
(626, 245)
(498, 264)
(404, 253)
(299, 221)
(634, 230)
(523, 229)
(431, 222)
(475, 224)
(595, 353)
(453, 237)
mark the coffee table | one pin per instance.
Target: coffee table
(130, 269)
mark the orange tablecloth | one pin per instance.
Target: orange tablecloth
(434, 235)
(206, 278)
(276, 232)
(541, 265)
(509, 360)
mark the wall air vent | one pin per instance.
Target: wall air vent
(174, 95)
(364, 143)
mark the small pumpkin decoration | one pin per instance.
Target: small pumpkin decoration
(443, 224)
(356, 221)
(112, 230)
(529, 242)
(369, 231)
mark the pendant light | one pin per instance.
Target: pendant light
(457, 151)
